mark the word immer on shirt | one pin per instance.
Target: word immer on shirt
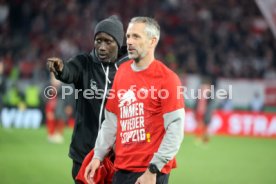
(132, 123)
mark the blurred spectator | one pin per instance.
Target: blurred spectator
(234, 31)
(226, 104)
(69, 110)
(32, 95)
(2, 84)
(203, 110)
(4, 11)
(257, 103)
(55, 113)
(14, 97)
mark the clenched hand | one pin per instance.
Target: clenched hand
(55, 65)
(90, 170)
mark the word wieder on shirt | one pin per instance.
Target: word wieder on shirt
(131, 118)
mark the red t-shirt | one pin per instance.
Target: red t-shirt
(141, 98)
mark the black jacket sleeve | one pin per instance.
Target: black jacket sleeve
(72, 70)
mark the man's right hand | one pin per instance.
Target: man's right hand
(55, 65)
(91, 169)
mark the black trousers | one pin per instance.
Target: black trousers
(126, 177)
(75, 170)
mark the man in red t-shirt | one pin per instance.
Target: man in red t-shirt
(144, 113)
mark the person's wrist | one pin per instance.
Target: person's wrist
(152, 168)
(61, 68)
(98, 157)
(150, 173)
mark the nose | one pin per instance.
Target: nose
(102, 47)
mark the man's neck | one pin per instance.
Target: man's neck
(145, 62)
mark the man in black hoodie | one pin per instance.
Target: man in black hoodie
(94, 72)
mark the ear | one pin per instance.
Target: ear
(153, 42)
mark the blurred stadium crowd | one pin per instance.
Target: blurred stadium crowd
(222, 38)
(227, 39)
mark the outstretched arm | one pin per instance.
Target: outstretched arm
(68, 72)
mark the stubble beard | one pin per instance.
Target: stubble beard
(137, 58)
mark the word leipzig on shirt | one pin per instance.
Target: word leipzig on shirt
(131, 118)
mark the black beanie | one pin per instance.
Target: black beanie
(112, 26)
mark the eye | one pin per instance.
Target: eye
(136, 36)
(98, 41)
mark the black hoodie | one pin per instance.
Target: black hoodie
(87, 73)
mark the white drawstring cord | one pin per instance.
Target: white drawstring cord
(105, 73)
(104, 96)
(105, 91)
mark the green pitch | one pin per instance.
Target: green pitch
(27, 157)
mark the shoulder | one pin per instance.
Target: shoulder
(123, 70)
(122, 60)
(83, 57)
(166, 72)
(80, 58)
(125, 65)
